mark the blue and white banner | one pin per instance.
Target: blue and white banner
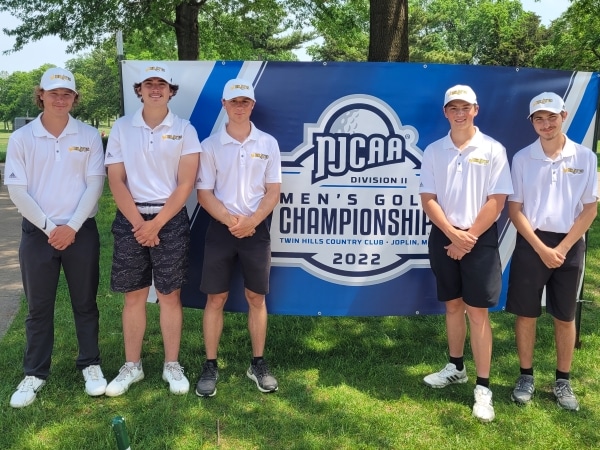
(349, 236)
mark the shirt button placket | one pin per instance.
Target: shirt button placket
(151, 141)
(242, 156)
(56, 150)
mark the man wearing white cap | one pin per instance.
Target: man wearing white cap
(465, 179)
(554, 203)
(152, 159)
(55, 175)
(238, 185)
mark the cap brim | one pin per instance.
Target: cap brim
(553, 110)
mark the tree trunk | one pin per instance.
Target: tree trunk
(388, 31)
(186, 30)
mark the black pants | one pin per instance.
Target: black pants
(40, 270)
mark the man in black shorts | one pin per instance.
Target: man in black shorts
(152, 159)
(238, 185)
(554, 203)
(465, 180)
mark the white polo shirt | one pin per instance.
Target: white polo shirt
(553, 192)
(462, 181)
(151, 156)
(55, 169)
(238, 172)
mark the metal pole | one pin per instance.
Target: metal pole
(580, 297)
(579, 303)
(120, 59)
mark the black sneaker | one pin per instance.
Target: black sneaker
(260, 374)
(207, 384)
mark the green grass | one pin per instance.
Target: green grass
(4, 135)
(345, 383)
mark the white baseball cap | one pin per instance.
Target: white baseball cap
(56, 78)
(460, 92)
(156, 69)
(546, 101)
(238, 87)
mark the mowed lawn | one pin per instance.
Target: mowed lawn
(345, 383)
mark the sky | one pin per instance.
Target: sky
(52, 49)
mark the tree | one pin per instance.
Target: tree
(427, 38)
(97, 79)
(347, 35)
(249, 30)
(494, 32)
(88, 23)
(388, 31)
(574, 39)
(85, 23)
(16, 94)
(344, 31)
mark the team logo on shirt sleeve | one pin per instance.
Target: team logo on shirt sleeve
(349, 209)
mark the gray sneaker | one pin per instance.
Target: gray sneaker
(524, 389)
(565, 398)
(207, 384)
(260, 374)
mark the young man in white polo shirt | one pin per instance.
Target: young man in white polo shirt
(152, 159)
(554, 203)
(465, 180)
(239, 184)
(55, 175)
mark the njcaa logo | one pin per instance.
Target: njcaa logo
(349, 209)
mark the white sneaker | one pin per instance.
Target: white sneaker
(448, 375)
(483, 408)
(95, 383)
(128, 374)
(173, 374)
(26, 391)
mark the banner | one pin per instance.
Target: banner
(349, 236)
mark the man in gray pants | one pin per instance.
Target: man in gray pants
(55, 174)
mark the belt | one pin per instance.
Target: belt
(149, 208)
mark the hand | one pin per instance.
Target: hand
(61, 237)
(463, 240)
(146, 233)
(454, 252)
(244, 227)
(551, 257)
